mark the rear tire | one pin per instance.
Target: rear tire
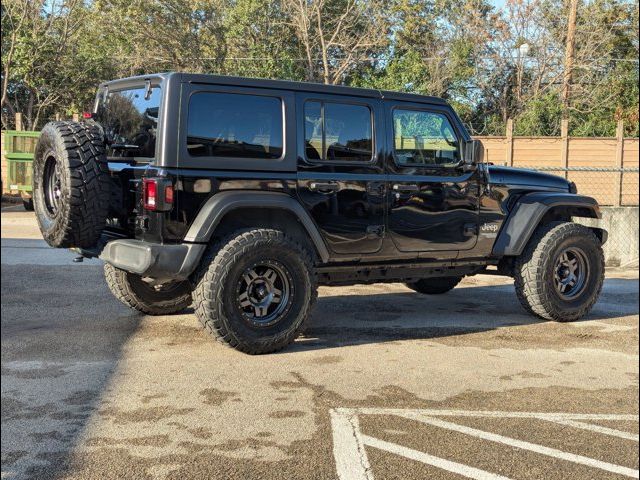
(139, 295)
(560, 273)
(254, 290)
(71, 184)
(434, 286)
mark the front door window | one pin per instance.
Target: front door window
(424, 139)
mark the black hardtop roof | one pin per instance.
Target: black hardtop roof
(277, 84)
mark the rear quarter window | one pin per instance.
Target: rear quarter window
(234, 125)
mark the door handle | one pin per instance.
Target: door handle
(324, 187)
(399, 187)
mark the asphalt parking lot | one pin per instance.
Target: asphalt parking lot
(386, 384)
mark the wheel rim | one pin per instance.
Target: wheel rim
(570, 272)
(264, 292)
(52, 186)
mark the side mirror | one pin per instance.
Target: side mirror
(473, 152)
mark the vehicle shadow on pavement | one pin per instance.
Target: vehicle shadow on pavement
(62, 338)
(362, 318)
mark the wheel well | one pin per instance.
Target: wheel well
(564, 213)
(256, 217)
(558, 213)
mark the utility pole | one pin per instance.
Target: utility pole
(569, 57)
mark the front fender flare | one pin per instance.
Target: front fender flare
(214, 210)
(527, 213)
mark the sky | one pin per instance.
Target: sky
(498, 3)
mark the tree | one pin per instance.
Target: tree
(39, 67)
(336, 36)
(261, 42)
(143, 37)
(492, 64)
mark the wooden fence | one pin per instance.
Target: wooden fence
(604, 168)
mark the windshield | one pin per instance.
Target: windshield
(130, 121)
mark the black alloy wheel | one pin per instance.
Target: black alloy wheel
(264, 293)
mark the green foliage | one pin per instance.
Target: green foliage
(540, 116)
(54, 53)
(260, 41)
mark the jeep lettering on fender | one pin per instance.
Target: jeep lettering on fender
(240, 196)
(489, 229)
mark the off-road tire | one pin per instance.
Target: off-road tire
(78, 154)
(434, 286)
(534, 272)
(215, 292)
(27, 203)
(131, 290)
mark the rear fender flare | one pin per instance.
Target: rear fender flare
(529, 211)
(214, 210)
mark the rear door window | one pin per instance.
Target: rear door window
(234, 125)
(338, 132)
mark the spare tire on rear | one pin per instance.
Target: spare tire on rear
(71, 185)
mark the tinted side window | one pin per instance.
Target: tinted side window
(234, 125)
(424, 138)
(313, 136)
(338, 132)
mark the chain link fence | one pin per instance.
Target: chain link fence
(616, 190)
(611, 186)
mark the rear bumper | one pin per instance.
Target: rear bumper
(175, 262)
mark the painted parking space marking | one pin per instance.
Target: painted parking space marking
(352, 462)
(599, 429)
(441, 463)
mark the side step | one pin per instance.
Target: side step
(409, 272)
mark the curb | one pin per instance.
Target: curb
(12, 199)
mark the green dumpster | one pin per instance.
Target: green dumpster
(19, 147)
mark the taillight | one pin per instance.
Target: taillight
(150, 186)
(157, 194)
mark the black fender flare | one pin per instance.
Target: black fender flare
(217, 206)
(529, 210)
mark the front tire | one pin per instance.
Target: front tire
(560, 273)
(255, 289)
(135, 293)
(434, 286)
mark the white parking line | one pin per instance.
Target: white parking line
(533, 447)
(495, 414)
(600, 429)
(352, 462)
(441, 463)
(348, 448)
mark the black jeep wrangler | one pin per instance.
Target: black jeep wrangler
(240, 196)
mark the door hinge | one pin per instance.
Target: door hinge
(470, 229)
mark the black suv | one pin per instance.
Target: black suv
(240, 196)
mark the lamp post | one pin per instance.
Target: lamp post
(522, 54)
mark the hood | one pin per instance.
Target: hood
(524, 177)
